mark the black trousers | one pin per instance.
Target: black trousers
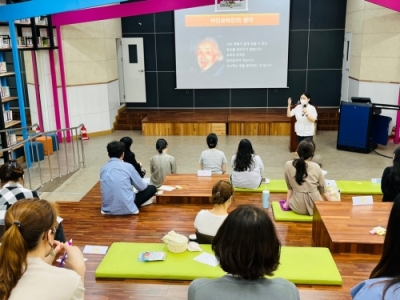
(302, 138)
(143, 196)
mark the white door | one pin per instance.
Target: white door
(133, 70)
(346, 67)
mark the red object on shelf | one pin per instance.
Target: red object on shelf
(84, 133)
(37, 129)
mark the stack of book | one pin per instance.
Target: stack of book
(3, 67)
(4, 41)
(7, 115)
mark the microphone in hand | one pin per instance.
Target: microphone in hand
(304, 106)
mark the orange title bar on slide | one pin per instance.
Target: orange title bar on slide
(231, 20)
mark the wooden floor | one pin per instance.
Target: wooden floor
(84, 223)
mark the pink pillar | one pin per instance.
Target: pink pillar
(396, 136)
(63, 81)
(37, 91)
(55, 93)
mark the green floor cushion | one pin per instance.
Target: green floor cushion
(275, 186)
(285, 216)
(301, 265)
(359, 187)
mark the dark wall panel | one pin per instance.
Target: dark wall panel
(168, 95)
(212, 98)
(296, 86)
(324, 49)
(325, 87)
(314, 64)
(249, 97)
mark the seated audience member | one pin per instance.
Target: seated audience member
(390, 183)
(28, 250)
(248, 248)
(12, 190)
(116, 180)
(384, 282)
(161, 164)
(304, 180)
(129, 156)
(247, 167)
(213, 160)
(208, 221)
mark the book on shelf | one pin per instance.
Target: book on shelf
(23, 21)
(4, 41)
(3, 67)
(7, 116)
(5, 91)
(11, 139)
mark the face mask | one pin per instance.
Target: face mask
(302, 101)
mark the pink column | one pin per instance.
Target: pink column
(63, 81)
(396, 136)
(55, 93)
(37, 91)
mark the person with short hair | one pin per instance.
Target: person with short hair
(384, 281)
(116, 180)
(390, 183)
(129, 156)
(306, 116)
(12, 190)
(161, 164)
(305, 181)
(209, 221)
(28, 250)
(247, 167)
(213, 160)
(248, 249)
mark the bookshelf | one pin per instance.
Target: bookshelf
(33, 34)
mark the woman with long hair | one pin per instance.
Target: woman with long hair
(161, 164)
(208, 221)
(305, 181)
(12, 190)
(27, 252)
(129, 156)
(384, 282)
(247, 166)
(390, 183)
(247, 248)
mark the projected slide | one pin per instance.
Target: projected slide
(240, 46)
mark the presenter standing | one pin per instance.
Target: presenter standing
(306, 115)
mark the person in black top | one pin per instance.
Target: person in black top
(129, 156)
(390, 183)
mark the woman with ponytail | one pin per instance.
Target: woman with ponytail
(208, 221)
(161, 164)
(213, 159)
(27, 252)
(305, 181)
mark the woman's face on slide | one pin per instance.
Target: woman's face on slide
(206, 55)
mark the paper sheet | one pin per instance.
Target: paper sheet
(95, 249)
(59, 219)
(59, 260)
(167, 188)
(376, 180)
(329, 182)
(208, 259)
(2, 214)
(363, 200)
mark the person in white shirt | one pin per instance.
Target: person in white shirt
(247, 167)
(213, 159)
(306, 115)
(208, 221)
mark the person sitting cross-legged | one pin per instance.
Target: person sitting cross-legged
(116, 180)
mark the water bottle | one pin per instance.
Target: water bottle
(265, 198)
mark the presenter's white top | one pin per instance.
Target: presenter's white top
(303, 126)
(208, 223)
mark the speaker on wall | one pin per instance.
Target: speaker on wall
(355, 123)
